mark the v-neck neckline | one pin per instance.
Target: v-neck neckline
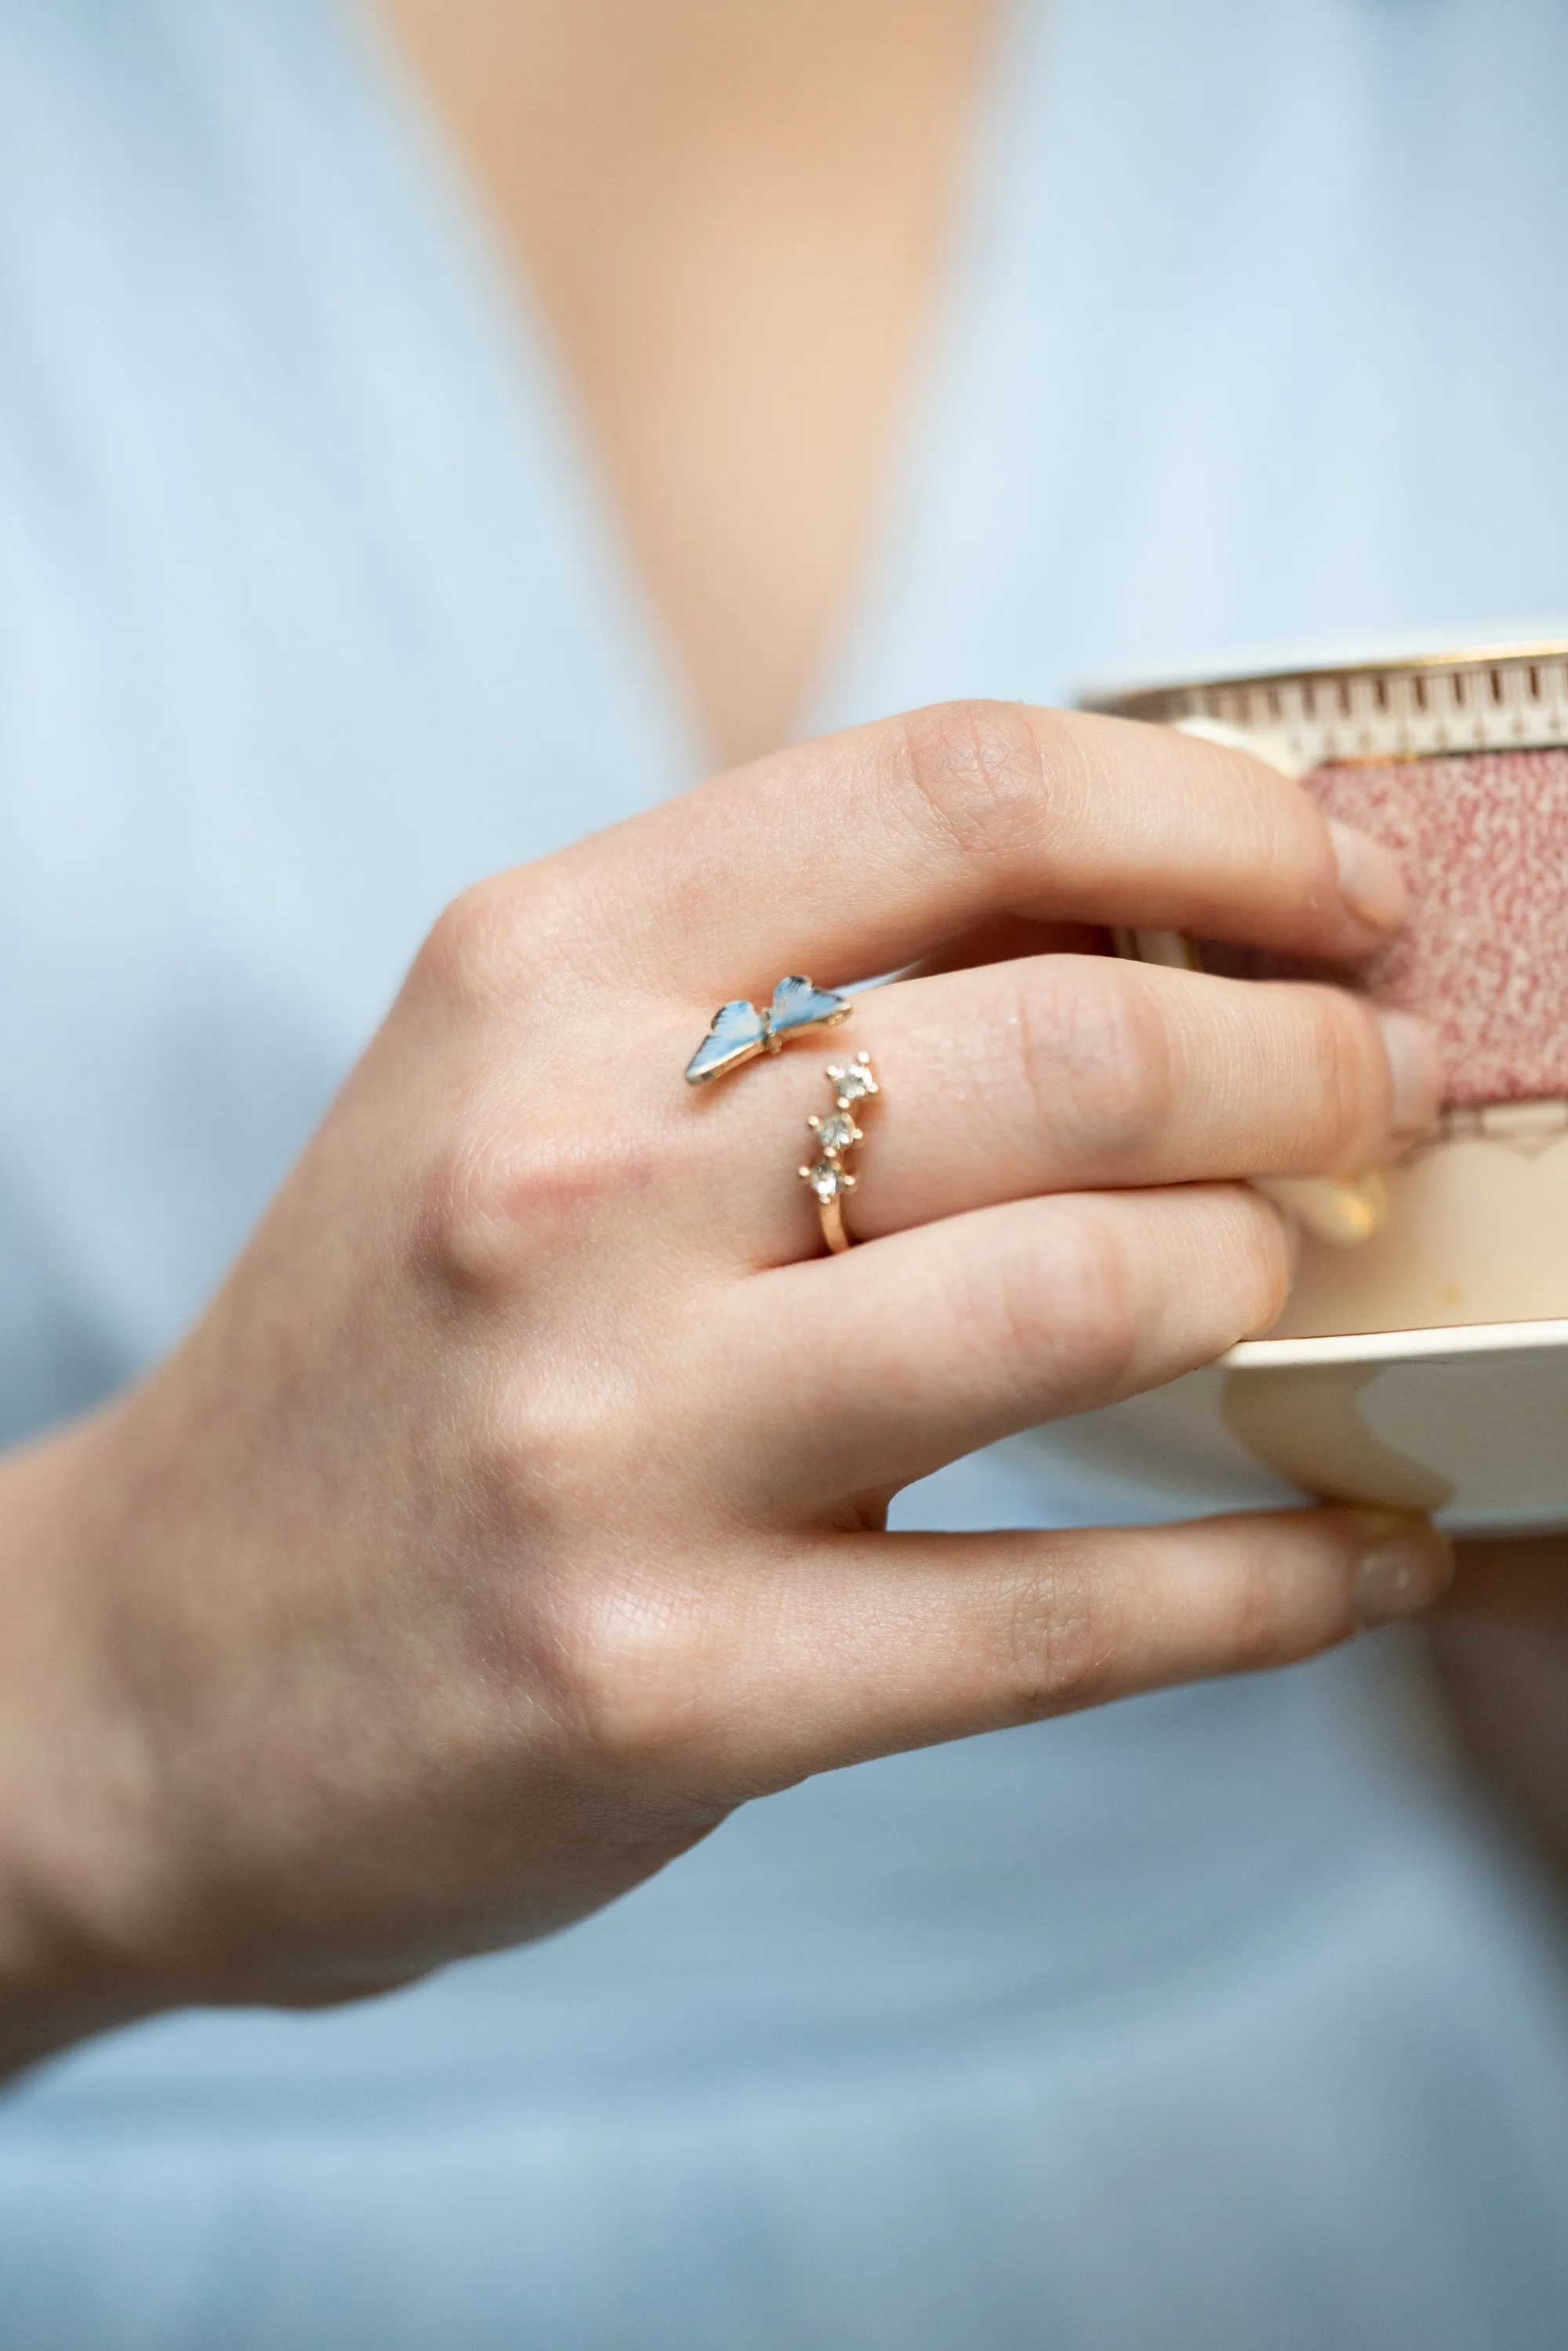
(979, 181)
(951, 352)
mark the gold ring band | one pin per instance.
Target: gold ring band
(827, 1177)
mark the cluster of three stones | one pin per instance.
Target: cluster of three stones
(837, 1133)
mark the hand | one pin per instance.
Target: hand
(516, 1509)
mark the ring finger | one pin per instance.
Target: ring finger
(1073, 1073)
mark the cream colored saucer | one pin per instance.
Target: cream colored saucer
(1469, 1423)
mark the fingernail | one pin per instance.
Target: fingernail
(1417, 1074)
(1370, 881)
(1405, 1565)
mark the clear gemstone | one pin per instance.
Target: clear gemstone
(835, 1133)
(855, 1082)
(826, 1180)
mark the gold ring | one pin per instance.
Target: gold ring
(826, 1177)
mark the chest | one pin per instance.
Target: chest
(731, 219)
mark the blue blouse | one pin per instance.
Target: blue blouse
(1209, 2021)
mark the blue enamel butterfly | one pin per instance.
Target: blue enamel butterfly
(739, 1031)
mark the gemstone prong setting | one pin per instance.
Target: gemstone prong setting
(836, 1132)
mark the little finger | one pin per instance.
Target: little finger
(872, 1642)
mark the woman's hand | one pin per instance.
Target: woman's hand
(516, 1509)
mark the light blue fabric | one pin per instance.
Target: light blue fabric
(1205, 2023)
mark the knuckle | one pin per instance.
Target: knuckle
(1263, 1623)
(1266, 1289)
(624, 1625)
(494, 1198)
(1089, 1304)
(470, 954)
(505, 938)
(581, 1444)
(1096, 1295)
(611, 1644)
(1055, 1648)
(1238, 1264)
(1349, 1091)
(1257, 1629)
(1273, 1297)
(975, 775)
(539, 1450)
(1061, 1309)
(632, 1672)
(465, 1218)
(1098, 1056)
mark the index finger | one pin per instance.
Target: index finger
(860, 853)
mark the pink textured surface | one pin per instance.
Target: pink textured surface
(1483, 841)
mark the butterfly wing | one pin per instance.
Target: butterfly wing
(798, 1004)
(738, 1032)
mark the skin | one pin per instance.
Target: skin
(732, 219)
(516, 1509)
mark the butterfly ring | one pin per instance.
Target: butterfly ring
(826, 1177)
(739, 1032)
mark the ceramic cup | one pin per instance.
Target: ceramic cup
(1460, 763)
(1422, 1362)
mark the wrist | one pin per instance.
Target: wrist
(78, 1906)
